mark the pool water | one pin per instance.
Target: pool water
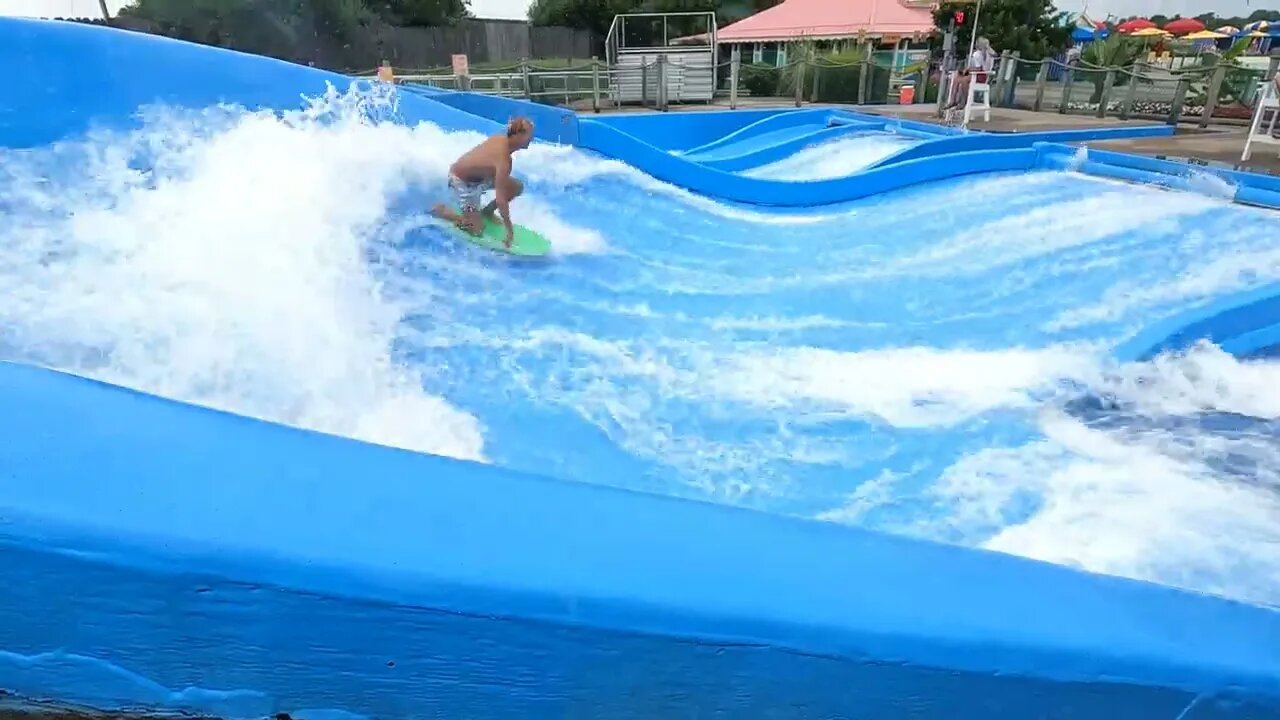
(932, 362)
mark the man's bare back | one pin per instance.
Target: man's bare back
(484, 167)
(481, 163)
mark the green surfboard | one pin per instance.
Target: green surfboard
(524, 241)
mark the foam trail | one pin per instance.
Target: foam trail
(833, 159)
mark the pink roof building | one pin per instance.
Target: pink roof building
(831, 19)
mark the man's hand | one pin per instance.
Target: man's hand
(501, 178)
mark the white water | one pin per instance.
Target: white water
(192, 282)
(234, 275)
(833, 159)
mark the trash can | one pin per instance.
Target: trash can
(906, 94)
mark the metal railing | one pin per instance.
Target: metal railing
(1139, 91)
(526, 80)
(595, 85)
(616, 39)
(1170, 91)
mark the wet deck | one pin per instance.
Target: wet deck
(1218, 145)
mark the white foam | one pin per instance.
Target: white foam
(235, 273)
(565, 167)
(565, 237)
(1249, 264)
(1137, 506)
(832, 159)
(1145, 496)
(905, 387)
(1049, 228)
(1203, 378)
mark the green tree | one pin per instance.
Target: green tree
(1034, 28)
(421, 12)
(1214, 21)
(593, 15)
(597, 15)
(230, 22)
(206, 21)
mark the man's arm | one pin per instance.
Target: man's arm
(501, 183)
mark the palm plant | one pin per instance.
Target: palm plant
(1236, 82)
(1116, 52)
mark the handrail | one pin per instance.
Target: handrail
(610, 52)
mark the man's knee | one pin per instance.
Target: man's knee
(514, 187)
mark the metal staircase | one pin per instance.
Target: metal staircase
(650, 61)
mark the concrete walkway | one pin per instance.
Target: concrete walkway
(1220, 148)
(1217, 145)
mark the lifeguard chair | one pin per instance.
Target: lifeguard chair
(971, 104)
(976, 88)
(1262, 130)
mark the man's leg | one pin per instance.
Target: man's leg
(468, 197)
(469, 220)
(514, 189)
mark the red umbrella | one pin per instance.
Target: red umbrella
(1136, 24)
(1183, 26)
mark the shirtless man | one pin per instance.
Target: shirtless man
(487, 166)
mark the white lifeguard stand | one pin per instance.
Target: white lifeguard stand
(971, 104)
(1261, 130)
(976, 88)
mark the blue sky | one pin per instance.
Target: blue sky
(516, 8)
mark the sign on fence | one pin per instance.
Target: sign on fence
(460, 66)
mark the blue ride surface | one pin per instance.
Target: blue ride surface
(1245, 324)
(164, 555)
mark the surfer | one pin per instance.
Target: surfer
(485, 167)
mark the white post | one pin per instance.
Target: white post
(973, 36)
(735, 62)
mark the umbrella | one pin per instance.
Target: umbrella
(1135, 24)
(1204, 35)
(1149, 32)
(1228, 30)
(1183, 26)
(1259, 26)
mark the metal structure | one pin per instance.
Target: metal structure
(650, 60)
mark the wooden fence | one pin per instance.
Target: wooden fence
(485, 41)
(308, 42)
